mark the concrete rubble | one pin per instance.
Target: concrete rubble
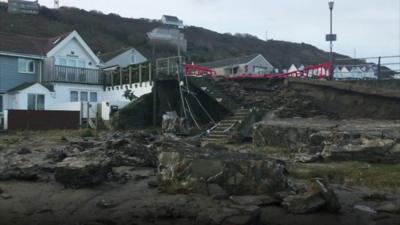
(311, 139)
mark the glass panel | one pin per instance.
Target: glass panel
(93, 96)
(74, 96)
(31, 102)
(82, 64)
(22, 65)
(62, 62)
(31, 66)
(72, 62)
(84, 96)
(40, 102)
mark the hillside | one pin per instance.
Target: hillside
(105, 33)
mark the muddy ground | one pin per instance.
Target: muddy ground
(138, 200)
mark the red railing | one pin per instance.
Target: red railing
(320, 71)
(195, 70)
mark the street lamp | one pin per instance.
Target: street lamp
(331, 37)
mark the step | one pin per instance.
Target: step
(217, 136)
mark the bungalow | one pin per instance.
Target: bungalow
(59, 73)
(172, 21)
(250, 64)
(122, 58)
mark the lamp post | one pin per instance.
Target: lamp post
(331, 37)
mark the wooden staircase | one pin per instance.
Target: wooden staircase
(223, 131)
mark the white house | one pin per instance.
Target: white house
(60, 73)
(122, 58)
(172, 21)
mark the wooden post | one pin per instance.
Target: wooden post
(140, 75)
(120, 77)
(150, 73)
(155, 104)
(112, 79)
(130, 76)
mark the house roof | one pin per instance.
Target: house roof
(230, 61)
(29, 84)
(110, 55)
(171, 18)
(29, 45)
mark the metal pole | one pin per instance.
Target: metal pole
(331, 45)
(379, 68)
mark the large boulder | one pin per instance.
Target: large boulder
(317, 195)
(78, 172)
(235, 173)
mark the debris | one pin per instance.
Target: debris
(304, 203)
(365, 208)
(174, 124)
(24, 151)
(78, 172)
(389, 207)
(235, 173)
(259, 200)
(6, 196)
(105, 204)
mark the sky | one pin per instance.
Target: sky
(365, 28)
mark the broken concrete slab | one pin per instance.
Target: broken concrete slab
(358, 140)
(77, 172)
(235, 173)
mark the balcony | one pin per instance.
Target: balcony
(68, 74)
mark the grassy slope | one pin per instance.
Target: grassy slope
(106, 33)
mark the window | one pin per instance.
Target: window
(81, 64)
(26, 66)
(36, 102)
(72, 62)
(74, 96)
(93, 96)
(84, 96)
(1, 104)
(61, 62)
(260, 70)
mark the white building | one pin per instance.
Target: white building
(60, 73)
(172, 21)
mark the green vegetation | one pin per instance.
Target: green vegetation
(105, 33)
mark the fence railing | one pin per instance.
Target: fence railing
(383, 67)
(73, 75)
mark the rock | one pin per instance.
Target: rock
(389, 207)
(368, 150)
(365, 208)
(78, 172)
(24, 151)
(174, 124)
(217, 192)
(105, 204)
(6, 196)
(57, 155)
(332, 202)
(235, 173)
(375, 197)
(259, 200)
(304, 203)
(229, 216)
(307, 158)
